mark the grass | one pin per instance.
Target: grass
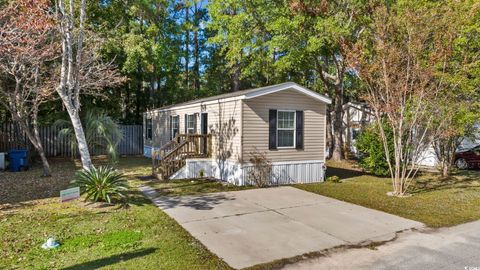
(193, 187)
(93, 235)
(436, 202)
(143, 237)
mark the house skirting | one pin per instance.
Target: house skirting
(283, 173)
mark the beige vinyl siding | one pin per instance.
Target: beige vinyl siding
(255, 126)
(224, 118)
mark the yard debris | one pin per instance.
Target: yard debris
(50, 243)
(23, 187)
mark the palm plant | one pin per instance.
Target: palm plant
(101, 184)
(100, 132)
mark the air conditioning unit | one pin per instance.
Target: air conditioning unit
(2, 161)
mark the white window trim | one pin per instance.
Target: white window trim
(294, 130)
(191, 128)
(178, 125)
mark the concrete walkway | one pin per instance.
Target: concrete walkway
(448, 248)
(257, 226)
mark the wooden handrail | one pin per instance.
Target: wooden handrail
(172, 156)
(170, 145)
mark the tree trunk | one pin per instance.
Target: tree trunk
(236, 78)
(348, 135)
(153, 80)
(33, 138)
(329, 135)
(37, 143)
(445, 152)
(137, 97)
(196, 65)
(187, 38)
(81, 140)
(126, 105)
(445, 169)
(39, 147)
(337, 121)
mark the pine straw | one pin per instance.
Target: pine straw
(21, 187)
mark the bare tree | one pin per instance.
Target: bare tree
(399, 62)
(27, 49)
(82, 68)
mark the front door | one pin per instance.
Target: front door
(204, 123)
(204, 131)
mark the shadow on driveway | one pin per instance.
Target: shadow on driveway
(202, 202)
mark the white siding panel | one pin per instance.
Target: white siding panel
(224, 120)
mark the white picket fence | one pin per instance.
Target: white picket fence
(11, 137)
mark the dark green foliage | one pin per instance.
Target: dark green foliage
(372, 153)
(161, 47)
(101, 184)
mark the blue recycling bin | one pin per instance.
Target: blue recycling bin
(18, 159)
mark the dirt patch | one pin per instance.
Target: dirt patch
(19, 187)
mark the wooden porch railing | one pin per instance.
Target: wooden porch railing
(172, 156)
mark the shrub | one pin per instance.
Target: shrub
(372, 153)
(100, 131)
(333, 179)
(101, 184)
(262, 168)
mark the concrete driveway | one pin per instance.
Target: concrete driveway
(455, 247)
(256, 226)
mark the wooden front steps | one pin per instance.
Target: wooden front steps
(172, 156)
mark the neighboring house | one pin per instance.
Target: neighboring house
(356, 115)
(285, 121)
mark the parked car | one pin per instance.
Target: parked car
(469, 158)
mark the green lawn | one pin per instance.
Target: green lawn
(435, 202)
(193, 187)
(93, 235)
(144, 237)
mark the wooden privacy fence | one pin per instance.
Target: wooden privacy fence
(11, 137)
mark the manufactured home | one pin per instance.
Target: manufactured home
(216, 136)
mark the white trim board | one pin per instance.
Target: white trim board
(249, 164)
(291, 162)
(216, 101)
(252, 94)
(288, 86)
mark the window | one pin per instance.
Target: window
(148, 128)
(285, 129)
(174, 126)
(191, 124)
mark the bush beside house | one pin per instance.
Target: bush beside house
(372, 156)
